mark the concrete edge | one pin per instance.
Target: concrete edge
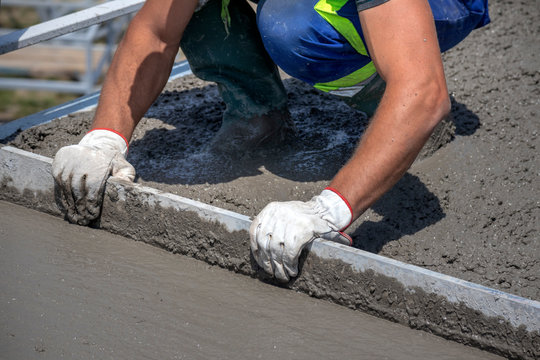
(491, 302)
(29, 173)
(230, 220)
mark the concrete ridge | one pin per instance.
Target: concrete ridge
(491, 302)
(25, 178)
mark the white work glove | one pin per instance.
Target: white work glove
(282, 229)
(81, 171)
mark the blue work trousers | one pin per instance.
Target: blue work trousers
(308, 47)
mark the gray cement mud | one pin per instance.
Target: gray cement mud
(73, 292)
(183, 232)
(469, 210)
(43, 201)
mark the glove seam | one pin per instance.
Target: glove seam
(113, 131)
(346, 203)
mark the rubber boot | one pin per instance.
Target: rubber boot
(247, 79)
(367, 100)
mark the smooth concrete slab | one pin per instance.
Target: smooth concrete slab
(74, 292)
(422, 299)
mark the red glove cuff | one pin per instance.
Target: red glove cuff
(114, 131)
(345, 201)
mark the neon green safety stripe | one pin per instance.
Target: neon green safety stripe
(350, 80)
(225, 16)
(328, 10)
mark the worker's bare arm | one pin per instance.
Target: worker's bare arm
(402, 41)
(142, 64)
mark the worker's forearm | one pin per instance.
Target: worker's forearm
(138, 73)
(403, 122)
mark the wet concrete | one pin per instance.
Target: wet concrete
(468, 210)
(131, 213)
(146, 215)
(74, 292)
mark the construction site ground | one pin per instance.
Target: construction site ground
(80, 293)
(469, 209)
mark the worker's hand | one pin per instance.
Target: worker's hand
(282, 229)
(81, 171)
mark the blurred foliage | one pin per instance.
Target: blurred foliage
(15, 104)
(17, 17)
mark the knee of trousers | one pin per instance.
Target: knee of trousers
(455, 19)
(303, 43)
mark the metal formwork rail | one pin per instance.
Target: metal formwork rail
(67, 24)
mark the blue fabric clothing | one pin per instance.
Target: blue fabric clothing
(455, 19)
(366, 4)
(308, 47)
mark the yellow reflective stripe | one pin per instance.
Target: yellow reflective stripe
(328, 10)
(350, 80)
(225, 16)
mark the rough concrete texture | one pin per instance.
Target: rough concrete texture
(34, 189)
(79, 293)
(183, 232)
(468, 211)
(145, 215)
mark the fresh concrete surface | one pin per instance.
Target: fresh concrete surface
(74, 292)
(182, 226)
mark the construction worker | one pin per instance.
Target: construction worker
(381, 55)
(378, 55)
